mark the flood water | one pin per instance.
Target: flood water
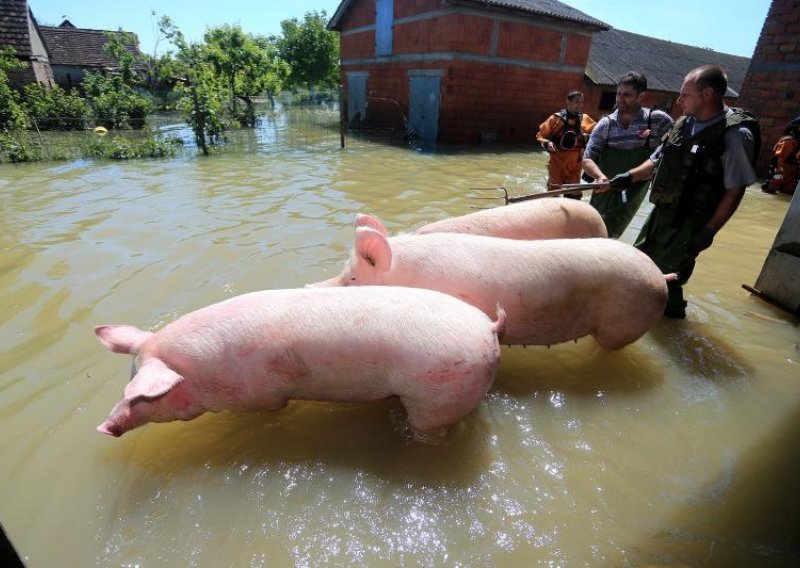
(679, 450)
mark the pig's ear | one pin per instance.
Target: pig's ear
(121, 338)
(373, 248)
(154, 379)
(363, 220)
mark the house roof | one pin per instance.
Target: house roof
(78, 46)
(547, 8)
(14, 31)
(664, 63)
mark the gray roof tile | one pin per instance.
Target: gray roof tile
(664, 63)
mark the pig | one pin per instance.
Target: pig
(438, 354)
(552, 290)
(546, 218)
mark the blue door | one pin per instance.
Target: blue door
(423, 106)
(384, 23)
(356, 98)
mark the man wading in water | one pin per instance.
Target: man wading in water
(701, 171)
(619, 142)
(563, 135)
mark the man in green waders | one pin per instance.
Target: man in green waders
(619, 142)
(702, 169)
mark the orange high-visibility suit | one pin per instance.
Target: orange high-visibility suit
(783, 174)
(565, 163)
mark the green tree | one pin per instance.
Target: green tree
(249, 66)
(159, 70)
(12, 113)
(201, 94)
(53, 108)
(111, 95)
(311, 50)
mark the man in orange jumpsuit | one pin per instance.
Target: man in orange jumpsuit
(783, 167)
(564, 135)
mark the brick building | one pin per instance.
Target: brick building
(461, 70)
(485, 70)
(20, 32)
(76, 51)
(772, 86)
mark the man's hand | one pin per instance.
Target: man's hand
(702, 240)
(621, 181)
(550, 147)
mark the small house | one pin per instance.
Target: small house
(461, 70)
(19, 31)
(75, 51)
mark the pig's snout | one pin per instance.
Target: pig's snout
(108, 427)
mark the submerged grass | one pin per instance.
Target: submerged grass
(17, 147)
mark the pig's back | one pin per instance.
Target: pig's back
(547, 218)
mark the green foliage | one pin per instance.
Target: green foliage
(114, 103)
(55, 108)
(202, 93)
(120, 148)
(248, 65)
(12, 113)
(311, 50)
(13, 148)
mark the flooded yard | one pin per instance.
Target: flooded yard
(680, 449)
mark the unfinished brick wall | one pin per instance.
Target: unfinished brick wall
(501, 77)
(771, 89)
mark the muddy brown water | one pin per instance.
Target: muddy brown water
(679, 450)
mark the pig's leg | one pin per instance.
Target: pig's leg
(434, 411)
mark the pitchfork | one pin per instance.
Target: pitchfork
(563, 189)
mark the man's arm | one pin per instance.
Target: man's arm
(593, 148)
(726, 208)
(546, 130)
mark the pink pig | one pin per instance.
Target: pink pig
(552, 290)
(257, 351)
(546, 218)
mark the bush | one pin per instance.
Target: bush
(124, 149)
(15, 149)
(115, 104)
(55, 108)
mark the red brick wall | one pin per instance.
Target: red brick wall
(360, 13)
(505, 102)
(357, 46)
(458, 32)
(406, 8)
(522, 41)
(771, 89)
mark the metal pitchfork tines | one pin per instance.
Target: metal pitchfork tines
(562, 189)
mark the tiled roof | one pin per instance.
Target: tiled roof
(664, 63)
(548, 8)
(551, 8)
(77, 46)
(14, 26)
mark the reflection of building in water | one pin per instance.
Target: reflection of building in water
(779, 280)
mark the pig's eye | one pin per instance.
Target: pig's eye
(352, 279)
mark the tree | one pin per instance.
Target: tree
(12, 113)
(201, 93)
(249, 66)
(111, 95)
(311, 51)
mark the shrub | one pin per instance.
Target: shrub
(55, 108)
(115, 104)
